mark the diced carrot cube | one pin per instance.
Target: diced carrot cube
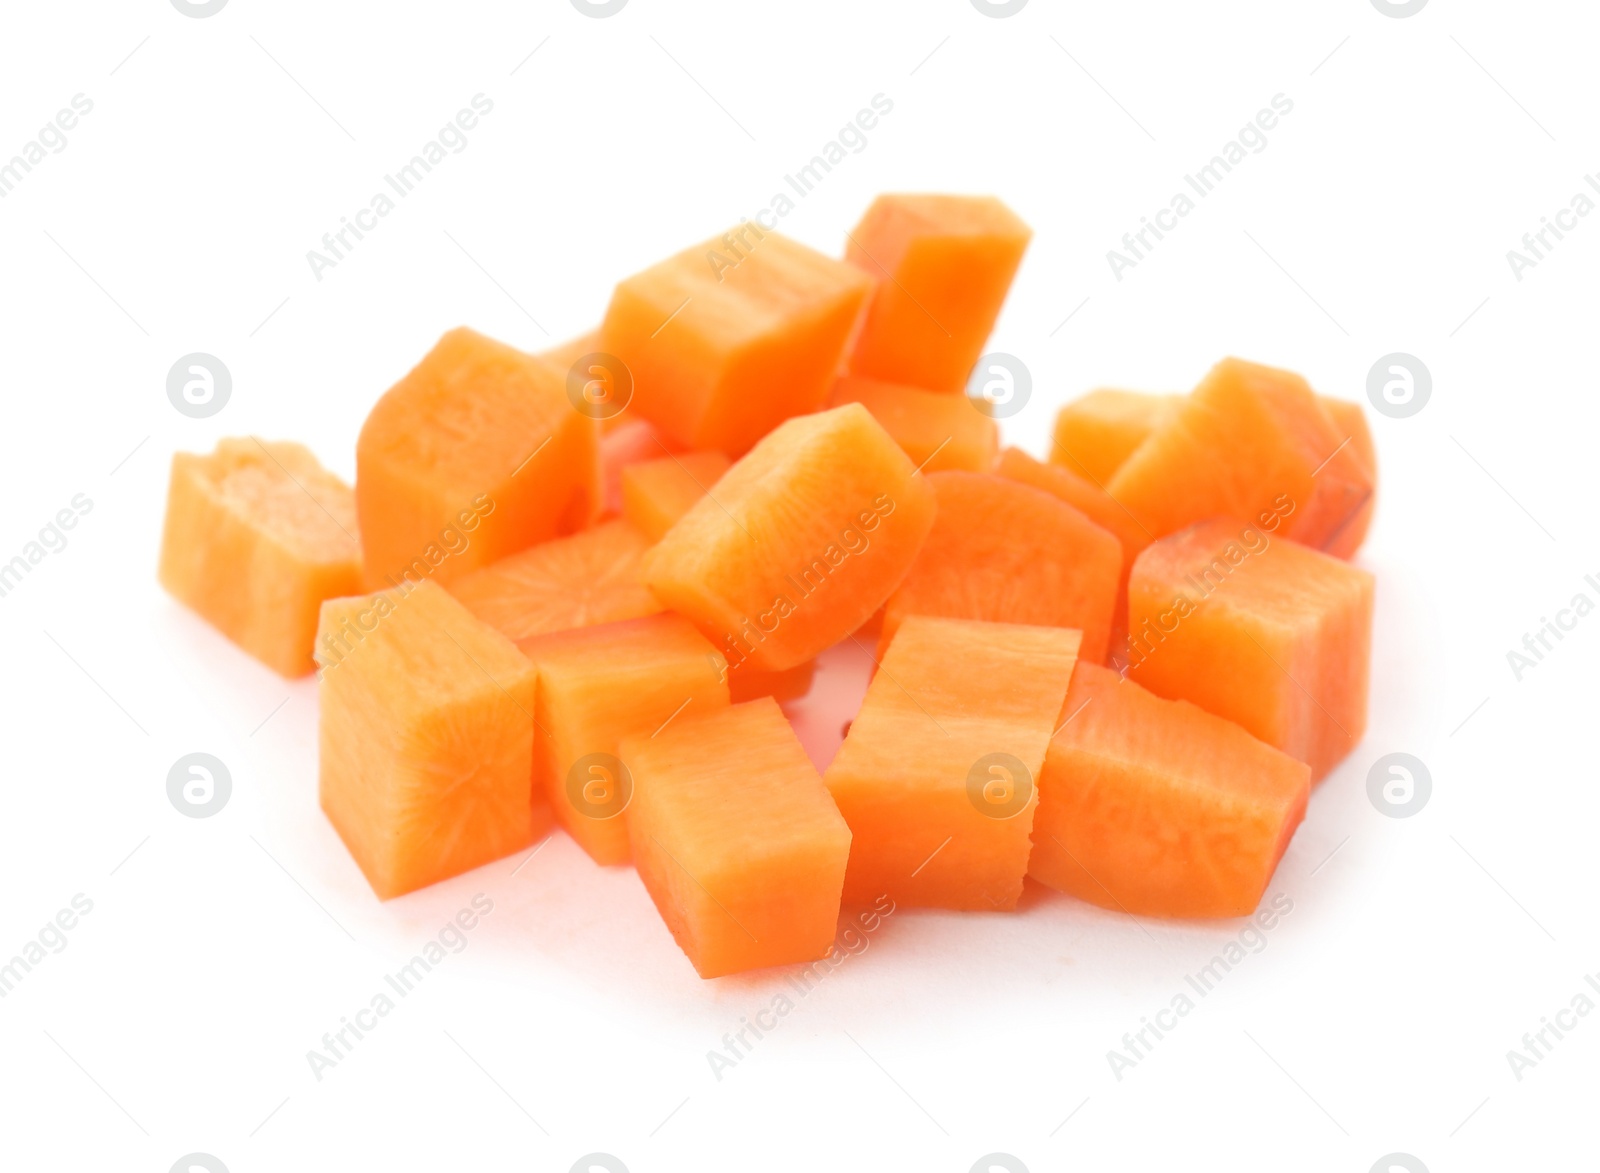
(938, 431)
(1158, 808)
(736, 839)
(655, 493)
(937, 774)
(943, 265)
(728, 339)
(1086, 497)
(1350, 424)
(1009, 553)
(803, 539)
(1096, 433)
(426, 737)
(578, 581)
(598, 685)
(1258, 629)
(477, 453)
(257, 535)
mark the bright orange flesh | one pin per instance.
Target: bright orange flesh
(477, 453)
(729, 338)
(938, 431)
(1250, 443)
(1158, 808)
(1006, 552)
(1087, 498)
(598, 685)
(747, 683)
(426, 737)
(591, 577)
(655, 493)
(943, 265)
(1258, 629)
(804, 539)
(1096, 433)
(257, 535)
(937, 818)
(736, 839)
(1350, 424)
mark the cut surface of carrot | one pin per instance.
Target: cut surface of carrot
(1257, 629)
(937, 776)
(943, 265)
(1350, 424)
(727, 339)
(426, 738)
(477, 453)
(599, 685)
(1087, 498)
(588, 578)
(1096, 433)
(746, 683)
(938, 431)
(736, 839)
(257, 535)
(805, 537)
(1006, 552)
(1158, 808)
(655, 493)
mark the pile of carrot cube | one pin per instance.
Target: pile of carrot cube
(577, 588)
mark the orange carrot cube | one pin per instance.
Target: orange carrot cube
(655, 493)
(937, 431)
(1096, 433)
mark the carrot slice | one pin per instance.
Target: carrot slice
(729, 338)
(806, 536)
(477, 453)
(1350, 424)
(1260, 630)
(1158, 808)
(937, 774)
(589, 578)
(655, 493)
(1006, 552)
(943, 265)
(736, 839)
(937, 431)
(257, 535)
(598, 685)
(1096, 433)
(426, 737)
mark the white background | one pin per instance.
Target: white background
(177, 219)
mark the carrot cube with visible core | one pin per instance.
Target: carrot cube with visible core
(477, 453)
(937, 774)
(726, 340)
(736, 839)
(426, 739)
(1096, 433)
(801, 542)
(938, 431)
(1258, 629)
(1006, 552)
(257, 535)
(598, 685)
(1158, 808)
(655, 493)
